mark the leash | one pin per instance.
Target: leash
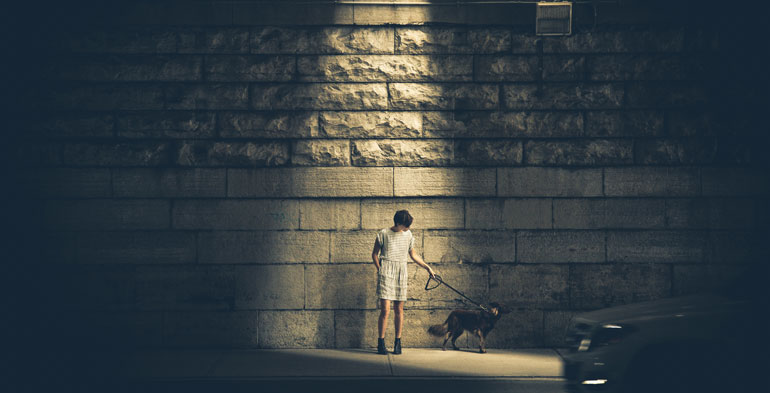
(439, 281)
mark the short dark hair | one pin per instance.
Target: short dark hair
(403, 217)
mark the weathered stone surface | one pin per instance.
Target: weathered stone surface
(411, 40)
(488, 152)
(129, 68)
(310, 182)
(665, 95)
(531, 213)
(518, 329)
(339, 96)
(236, 214)
(563, 68)
(66, 182)
(169, 183)
(691, 279)
(290, 14)
(207, 96)
(104, 97)
(549, 182)
(391, 152)
(563, 96)
(690, 123)
(341, 286)
(166, 124)
(116, 154)
(385, 68)
(444, 182)
(136, 247)
(133, 39)
(624, 123)
(679, 151)
(249, 68)
(443, 213)
(580, 152)
(555, 327)
(73, 125)
(185, 287)
(478, 124)
(357, 246)
(329, 40)
(219, 329)
(656, 246)
(329, 214)
(470, 247)
(737, 247)
(608, 213)
(483, 213)
(260, 247)
(355, 328)
(735, 182)
(213, 40)
(650, 181)
(296, 329)
(471, 279)
(107, 214)
(321, 153)
(268, 287)
(641, 67)
(531, 286)
(413, 96)
(597, 286)
(719, 213)
(560, 246)
(371, 124)
(617, 42)
(232, 154)
(505, 68)
(268, 124)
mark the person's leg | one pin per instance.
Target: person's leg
(398, 318)
(384, 311)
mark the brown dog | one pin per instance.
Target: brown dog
(479, 323)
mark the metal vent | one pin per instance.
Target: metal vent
(554, 19)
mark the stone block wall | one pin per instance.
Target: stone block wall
(217, 179)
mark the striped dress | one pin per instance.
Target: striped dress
(394, 251)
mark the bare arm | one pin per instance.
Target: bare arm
(418, 260)
(376, 255)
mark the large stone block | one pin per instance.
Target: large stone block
(357, 246)
(329, 214)
(329, 96)
(385, 68)
(670, 40)
(505, 68)
(651, 181)
(310, 182)
(608, 213)
(260, 214)
(328, 40)
(470, 279)
(136, 247)
(656, 246)
(263, 247)
(207, 96)
(549, 182)
(213, 40)
(517, 329)
(692, 279)
(73, 125)
(211, 329)
(580, 152)
(470, 246)
(169, 183)
(185, 287)
(641, 67)
(624, 123)
(358, 329)
(345, 286)
(484, 124)
(134, 39)
(529, 213)
(560, 247)
(680, 151)
(321, 153)
(735, 182)
(422, 96)
(104, 97)
(296, 329)
(443, 213)
(483, 213)
(533, 286)
(668, 94)
(268, 287)
(117, 154)
(563, 68)
(370, 124)
(555, 328)
(412, 40)
(597, 286)
(249, 68)
(66, 182)
(391, 152)
(563, 96)
(699, 122)
(737, 247)
(199, 153)
(444, 182)
(131, 68)
(166, 124)
(107, 214)
(718, 213)
(268, 124)
(488, 152)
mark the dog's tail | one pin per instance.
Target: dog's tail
(439, 330)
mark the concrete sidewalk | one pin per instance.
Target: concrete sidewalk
(543, 364)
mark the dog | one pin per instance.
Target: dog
(479, 323)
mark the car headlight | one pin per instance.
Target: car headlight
(605, 335)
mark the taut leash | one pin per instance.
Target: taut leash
(439, 281)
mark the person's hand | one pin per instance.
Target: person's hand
(432, 274)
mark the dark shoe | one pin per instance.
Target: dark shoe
(381, 346)
(397, 347)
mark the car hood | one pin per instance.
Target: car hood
(693, 304)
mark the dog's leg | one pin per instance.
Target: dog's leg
(455, 336)
(446, 338)
(481, 341)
